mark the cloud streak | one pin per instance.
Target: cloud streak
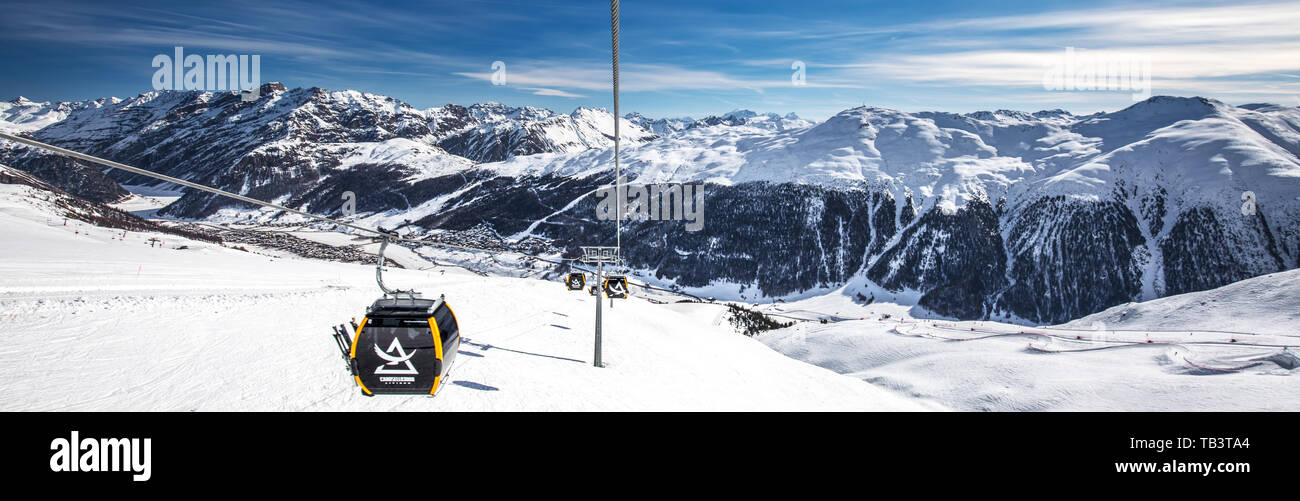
(637, 78)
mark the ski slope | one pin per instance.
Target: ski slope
(1229, 349)
(1265, 304)
(100, 321)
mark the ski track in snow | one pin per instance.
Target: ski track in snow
(1140, 363)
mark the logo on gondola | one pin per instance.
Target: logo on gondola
(576, 282)
(398, 356)
(616, 287)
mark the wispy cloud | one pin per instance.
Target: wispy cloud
(299, 31)
(635, 78)
(539, 91)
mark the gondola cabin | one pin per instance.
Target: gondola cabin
(576, 282)
(616, 287)
(404, 346)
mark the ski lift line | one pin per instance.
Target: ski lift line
(182, 182)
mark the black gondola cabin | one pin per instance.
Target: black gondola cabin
(576, 281)
(404, 346)
(616, 287)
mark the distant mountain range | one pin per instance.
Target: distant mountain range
(1032, 217)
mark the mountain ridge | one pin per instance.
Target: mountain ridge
(1033, 217)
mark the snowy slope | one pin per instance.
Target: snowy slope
(107, 322)
(1268, 304)
(1172, 354)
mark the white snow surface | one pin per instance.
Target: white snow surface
(1268, 304)
(1227, 349)
(105, 322)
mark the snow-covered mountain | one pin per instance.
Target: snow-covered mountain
(1001, 216)
(767, 121)
(1032, 217)
(271, 148)
(22, 114)
(292, 140)
(661, 126)
(735, 118)
(493, 132)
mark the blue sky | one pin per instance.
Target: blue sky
(679, 58)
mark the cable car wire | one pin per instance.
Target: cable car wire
(618, 173)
